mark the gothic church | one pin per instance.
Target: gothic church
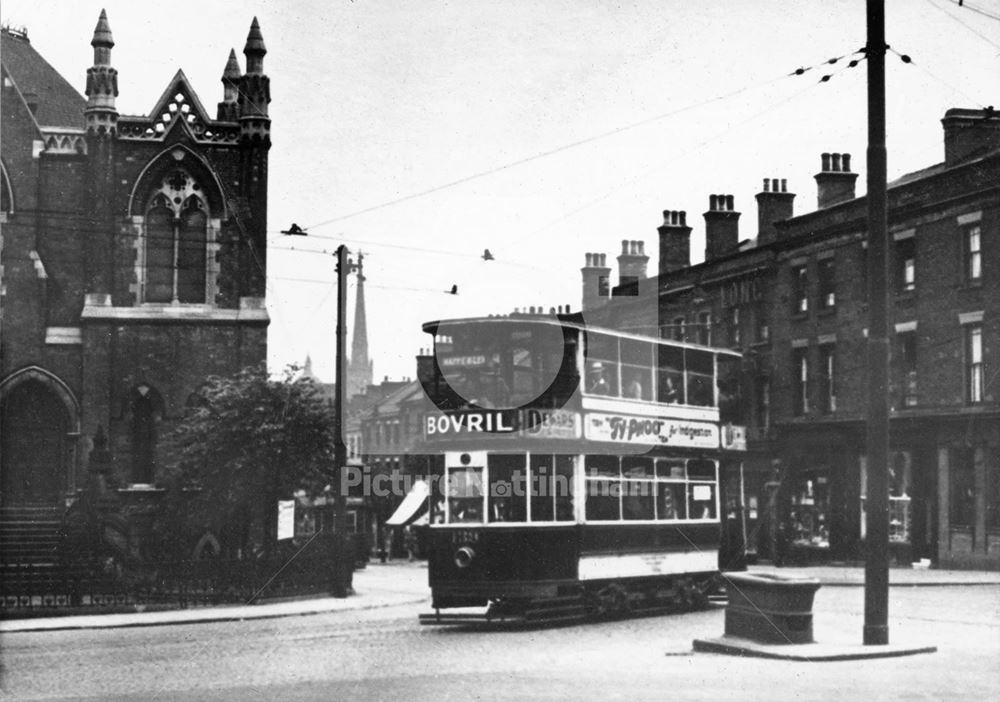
(133, 264)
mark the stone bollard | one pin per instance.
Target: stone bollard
(771, 609)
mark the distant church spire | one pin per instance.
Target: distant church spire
(359, 368)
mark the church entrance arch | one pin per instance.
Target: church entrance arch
(37, 439)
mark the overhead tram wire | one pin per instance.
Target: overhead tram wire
(905, 58)
(686, 153)
(580, 142)
(961, 22)
(591, 202)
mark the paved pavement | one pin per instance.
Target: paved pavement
(402, 582)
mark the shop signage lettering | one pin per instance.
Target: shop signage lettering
(628, 429)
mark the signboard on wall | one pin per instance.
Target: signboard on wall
(286, 519)
(630, 429)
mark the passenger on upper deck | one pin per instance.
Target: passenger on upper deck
(597, 384)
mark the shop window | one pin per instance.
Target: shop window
(800, 290)
(962, 488)
(809, 515)
(827, 284)
(906, 265)
(993, 501)
(972, 245)
(827, 380)
(800, 381)
(974, 363)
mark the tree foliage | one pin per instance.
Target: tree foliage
(247, 441)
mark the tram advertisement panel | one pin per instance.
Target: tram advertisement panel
(538, 423)
(630, 429)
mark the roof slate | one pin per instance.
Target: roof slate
(59, 104)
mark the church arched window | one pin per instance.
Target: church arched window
(176, 240)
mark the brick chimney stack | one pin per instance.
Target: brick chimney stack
(969, 133)
(835, 181)
(596, 281)
(774, 204)
(722, 227)
(675, 242)
(632, 262)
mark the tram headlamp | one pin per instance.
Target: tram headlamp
(464, 556)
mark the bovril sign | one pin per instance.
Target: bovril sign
(628, 429)
(543, 424)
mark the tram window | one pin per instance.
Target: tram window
(637, 369)
(637, 467)
(700, 372)
(542, 498)
(435, 478)
(602, 365)
(670, 375)
(465, 495)
(667, 468)
(603, 500)
(638, 499)
(606, 466)
(700, 469)
(671, 502)
(563, 489)
(507, 499)
(701, 498)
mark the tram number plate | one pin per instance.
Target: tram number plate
(464, 536)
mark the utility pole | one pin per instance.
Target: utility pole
(344, 556)
(876, 628)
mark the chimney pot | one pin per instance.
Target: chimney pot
(767, 184)
(712, 202)
(846, 163)
(835, 166)
(729, 203)
(825, 162)
(624, 246)
(784, 185)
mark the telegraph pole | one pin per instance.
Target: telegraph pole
(876, 628)
(344, 557)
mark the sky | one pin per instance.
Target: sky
(421, 132)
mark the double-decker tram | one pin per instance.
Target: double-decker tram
(572, 471)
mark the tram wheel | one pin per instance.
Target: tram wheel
(613, 601)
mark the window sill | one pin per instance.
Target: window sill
(798, 316)
(827, 311)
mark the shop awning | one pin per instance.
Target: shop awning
(412, 504)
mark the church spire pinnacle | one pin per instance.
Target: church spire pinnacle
(102, 82)
(227, 110)
(254, 90)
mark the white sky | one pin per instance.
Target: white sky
(374, 102)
